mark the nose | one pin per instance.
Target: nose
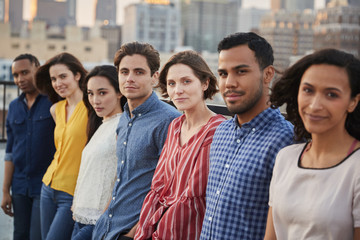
(230, 81)
(316, 102)
(179, 89)
(96, 99)
(130, 77)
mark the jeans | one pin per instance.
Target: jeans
(56, 216)
(82, 231)
(26, 217)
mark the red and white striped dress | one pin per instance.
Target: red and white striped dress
(175, 206)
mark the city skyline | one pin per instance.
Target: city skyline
(86, 9)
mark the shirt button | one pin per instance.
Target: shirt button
(114, 198)
(110, 215)
(227, 165)
(210, 219)
(130, 124)
(253, 129)
(218, 192)
(124, 143)
(122, 162)
(238, 141)
(118, 179)
(139, 114)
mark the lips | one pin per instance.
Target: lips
(313, 117)
(233, 96)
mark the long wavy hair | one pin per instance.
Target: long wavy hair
(110, 73)
(286, 89)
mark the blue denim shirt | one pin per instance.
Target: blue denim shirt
(30, 143)
(139, 143)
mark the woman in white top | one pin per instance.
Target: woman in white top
(98, 162)
(315, 189)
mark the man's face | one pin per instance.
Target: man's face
(135, 80)
(240, 79)
(23, 72)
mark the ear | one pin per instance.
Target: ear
(353, 103)
(155, 79)
(205, 85)
(77, 76)
(268, 74)
(119, 95)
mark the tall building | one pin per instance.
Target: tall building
(2, 10)
(338, 26)
(289, 33)
(15, 15)
(106, 12)
(249, 19)
(292, 5)
(56, 13)
(205, 22)
(154, 22)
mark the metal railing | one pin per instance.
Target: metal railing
(4, 107)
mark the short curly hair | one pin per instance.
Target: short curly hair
(199, 67)
(285, 90)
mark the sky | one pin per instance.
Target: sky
(86, 9)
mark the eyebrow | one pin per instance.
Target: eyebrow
(330, 88)
(235, 68)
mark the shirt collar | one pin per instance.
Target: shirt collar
(260, 120)
(145, 107)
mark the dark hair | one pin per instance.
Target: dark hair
(110, 73)
(148, 51)
(262, 49)
(199, 67)
(286, 88)
(42, 76)
(32, 59)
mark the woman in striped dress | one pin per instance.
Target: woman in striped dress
(175, 206)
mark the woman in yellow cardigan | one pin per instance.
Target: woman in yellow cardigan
(61, 78)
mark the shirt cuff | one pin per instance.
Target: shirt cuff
(8, 157)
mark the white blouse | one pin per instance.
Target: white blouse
(312, 203)
(97, 173)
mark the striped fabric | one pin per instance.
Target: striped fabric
(175, 206)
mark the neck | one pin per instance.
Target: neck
(199, 116)
(259, 107)
(75, 98)
(134, 103)
(30, 98)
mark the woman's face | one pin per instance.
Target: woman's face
(64, 82)
(324, 99)
(103, 97)
(184, 88)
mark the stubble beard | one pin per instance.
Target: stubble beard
(247, 104)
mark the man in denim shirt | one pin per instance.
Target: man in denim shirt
(142, 132)
(29, 150)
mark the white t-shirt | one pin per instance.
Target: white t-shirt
(315, 203)
(97, 173)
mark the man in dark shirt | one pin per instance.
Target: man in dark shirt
(29, 150)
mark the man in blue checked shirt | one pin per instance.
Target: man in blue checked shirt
(244, 148)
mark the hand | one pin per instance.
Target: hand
(6, 204)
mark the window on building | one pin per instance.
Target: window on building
(51, 47)
(87, 49)
(15, 45)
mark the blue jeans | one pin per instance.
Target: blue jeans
(82, 231)
(56, 216)
(26, 217)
